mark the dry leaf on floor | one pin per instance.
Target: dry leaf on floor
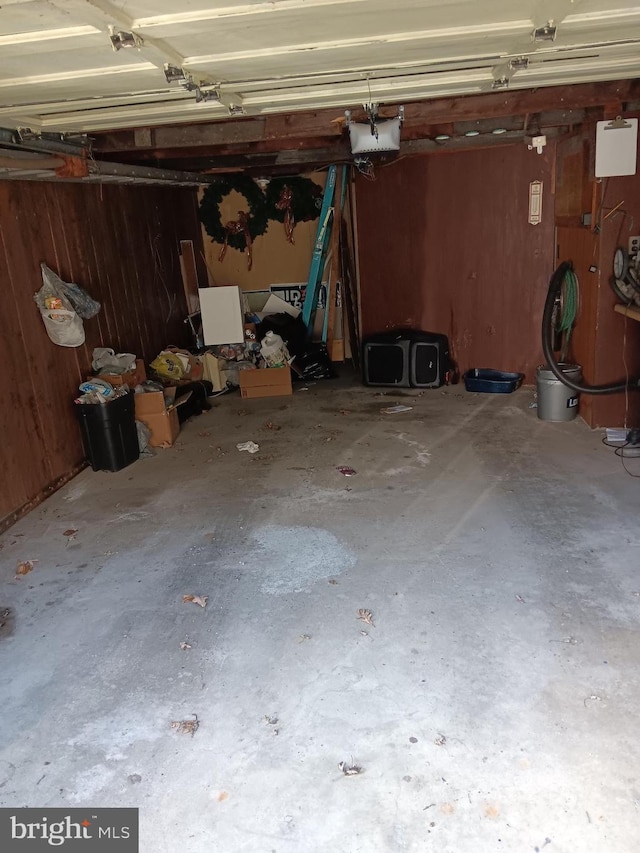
(350, 769)
(440, 740)
(186, 727)
(70, 532)
(345, 411)
(365, 616)
(184, 646)
(25, 567)
(264, 457)
(196, 599)
(271, 425)
(346, 470)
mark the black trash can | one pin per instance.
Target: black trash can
(109, 433)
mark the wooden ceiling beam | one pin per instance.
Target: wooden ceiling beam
(519, 102)
(330, 122)
(269, 146)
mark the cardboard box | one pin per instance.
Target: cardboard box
(130, 378)
(158, 410)
(268, 382)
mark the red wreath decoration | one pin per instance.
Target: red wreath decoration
(285, 203)
(238, 226)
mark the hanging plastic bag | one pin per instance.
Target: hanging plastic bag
(63, 327)
(62, 323)
(86, 307)
(79, 299)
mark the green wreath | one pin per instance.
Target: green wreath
(306, 198)
(257, 210)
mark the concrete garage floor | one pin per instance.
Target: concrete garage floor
(493, 706)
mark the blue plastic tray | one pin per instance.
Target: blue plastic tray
(483, 380)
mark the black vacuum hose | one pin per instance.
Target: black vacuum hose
(547, 346)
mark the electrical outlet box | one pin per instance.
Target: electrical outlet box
(634, 245)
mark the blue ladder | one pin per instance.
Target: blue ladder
(319, 252)
(332, 295)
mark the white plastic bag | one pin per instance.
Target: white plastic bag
(64, 327)
(62, 323)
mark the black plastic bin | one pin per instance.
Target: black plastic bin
(109, 433)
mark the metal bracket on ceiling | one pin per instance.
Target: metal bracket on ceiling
(25, 134)
(372, 114)
(173, 74)
(205, 93)
(545, 33)
(204, 89)
(121, 38)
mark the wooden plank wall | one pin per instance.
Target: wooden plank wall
(445, 246)
(121, 243)
(617, 345)
(606, 344)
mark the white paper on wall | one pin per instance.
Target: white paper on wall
(616, 147)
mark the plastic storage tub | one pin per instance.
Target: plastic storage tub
(109, 433)
(483, 380)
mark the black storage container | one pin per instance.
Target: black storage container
(430, 362)
(109, 433)
(407, 358)
(385, 360)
